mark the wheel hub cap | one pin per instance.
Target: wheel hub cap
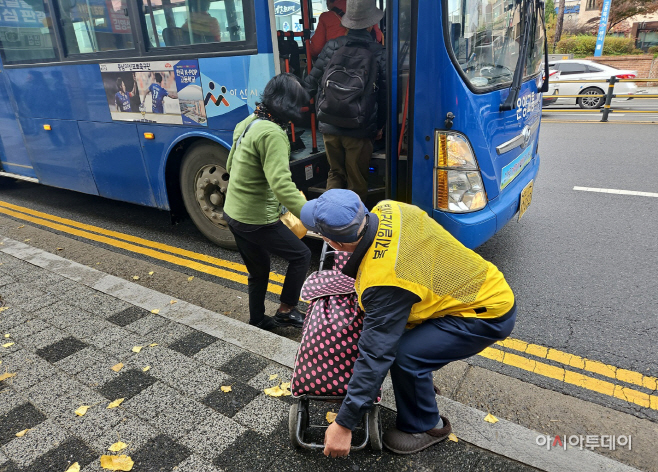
(211, 183)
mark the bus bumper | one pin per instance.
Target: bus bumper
(474, 229)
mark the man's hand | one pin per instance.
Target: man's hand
(337, 441)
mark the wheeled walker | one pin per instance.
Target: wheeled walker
(327, 353)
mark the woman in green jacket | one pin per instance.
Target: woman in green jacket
(260, 182)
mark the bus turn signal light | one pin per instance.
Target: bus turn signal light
(47, 127)
(149, 135)
(458, 182)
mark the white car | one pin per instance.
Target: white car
(577, 69)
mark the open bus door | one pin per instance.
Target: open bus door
(294, 56)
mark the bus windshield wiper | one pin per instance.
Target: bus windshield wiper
(510, 101)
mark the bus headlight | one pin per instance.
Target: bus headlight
(458, 185)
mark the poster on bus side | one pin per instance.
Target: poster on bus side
(167, 92)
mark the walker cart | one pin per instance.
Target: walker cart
(327, 352)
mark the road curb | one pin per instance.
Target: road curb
(505, 438)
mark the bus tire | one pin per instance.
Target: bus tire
(591, 103)
(203, 182)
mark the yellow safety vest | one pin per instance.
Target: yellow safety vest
(414, 252)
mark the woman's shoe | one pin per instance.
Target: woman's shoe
(267, 323)
(294, 318)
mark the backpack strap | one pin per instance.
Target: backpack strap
(338, 11)
(237, 143)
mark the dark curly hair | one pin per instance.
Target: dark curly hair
(284, 96)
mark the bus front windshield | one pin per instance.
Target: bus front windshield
(486, 37)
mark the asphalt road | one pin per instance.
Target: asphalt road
(582, 264)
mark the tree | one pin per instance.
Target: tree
(621, 10)
(550, 10)
(558, 26)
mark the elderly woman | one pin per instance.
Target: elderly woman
(260, 183)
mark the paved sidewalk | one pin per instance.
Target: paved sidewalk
(61, 338)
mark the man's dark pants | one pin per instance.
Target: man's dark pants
(349, 160)
(255, 245)
(428, 347)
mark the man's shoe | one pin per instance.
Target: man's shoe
(267, 323)
(293, 318)
(408, 443)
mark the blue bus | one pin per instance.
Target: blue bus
(136, 100)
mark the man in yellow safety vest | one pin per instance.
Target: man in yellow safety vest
(428, 301)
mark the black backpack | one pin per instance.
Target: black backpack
(347, 93)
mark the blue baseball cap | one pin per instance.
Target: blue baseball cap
(336, 215)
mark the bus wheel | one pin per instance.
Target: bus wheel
(591, 102)
(203, 181)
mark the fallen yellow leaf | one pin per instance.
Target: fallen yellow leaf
(277, 391)
(3, 308)
(452, 437)
(118, 367)
(147, 368)
(189, 279)
(20, 434)
(82, 410)
(61, 249)
(75, 467)
(273, 376)
(8, 345)
(173, 301)
(21, 226)
(491, 419)
(117, 446)
(331, 416)
(7, 335)
(135, 277)
(226, 388)
(285, 385)
(153, 344)
(123, 463)
(27, 240)
(151, 273)
(6, 376)
(155, 312)
(137, 349)
(115, 403)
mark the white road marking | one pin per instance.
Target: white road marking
(617, 192)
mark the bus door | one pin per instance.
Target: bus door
(13, 154)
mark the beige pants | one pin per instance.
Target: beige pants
(349, 160)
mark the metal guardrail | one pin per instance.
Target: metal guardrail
(607, 106)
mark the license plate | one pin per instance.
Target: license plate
(526, 198)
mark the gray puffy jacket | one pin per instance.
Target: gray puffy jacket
(378, 118)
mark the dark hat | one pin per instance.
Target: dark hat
(336, 215)
(361, 14)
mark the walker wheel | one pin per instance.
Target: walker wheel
(375, 429)
(293, 417)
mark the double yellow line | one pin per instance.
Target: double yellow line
(571, 369)
(199, 262)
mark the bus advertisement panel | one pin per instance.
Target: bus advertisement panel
(155, 92)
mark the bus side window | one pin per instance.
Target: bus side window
(26, 33)
(184, 22)
(95, 26)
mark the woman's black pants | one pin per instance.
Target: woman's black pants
(255, 246)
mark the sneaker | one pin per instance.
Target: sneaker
(408, 443)
(267, 323)
(294, 318)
